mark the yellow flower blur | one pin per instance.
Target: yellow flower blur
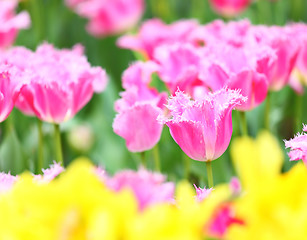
(257, 161)
(273, 204)
(67, 208)
(77, 205)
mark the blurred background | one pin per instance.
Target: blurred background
(90, 132)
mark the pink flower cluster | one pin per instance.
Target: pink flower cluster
(199, 60)
(108, 17)
(298, 146)
(10, 23)
(268, 53)
(56, 83)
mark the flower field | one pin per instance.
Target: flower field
(153, 119)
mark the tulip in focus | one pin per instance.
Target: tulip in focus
(10, 23)
(202, 128)
(229, 8)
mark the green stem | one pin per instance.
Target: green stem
(19, 162)
(143, 159)
(267, 112)
(58, 144)
(187, 166)
(209, 173)
(40, 157)
(156, 154)
(298, 113)
(243, 122)
(9, 129)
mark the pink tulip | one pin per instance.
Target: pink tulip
(246, 73)
(74, 3)
(154, 33)
(202, 128)
(295, 82)
(223, 218)
(235, 186)
(50, 173)
(109, 17)
(180, 65)
(139, 127)
(299, 74)
(148, 188)
(6, 182)
(301, 64)
(298, 146)
(286, 49)
(202, 193)
(136, 80)
(225, 215)
(62, 82)
(229, 8)
(234, 33)
(10, 23)
(10, 87)
(138, 109)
